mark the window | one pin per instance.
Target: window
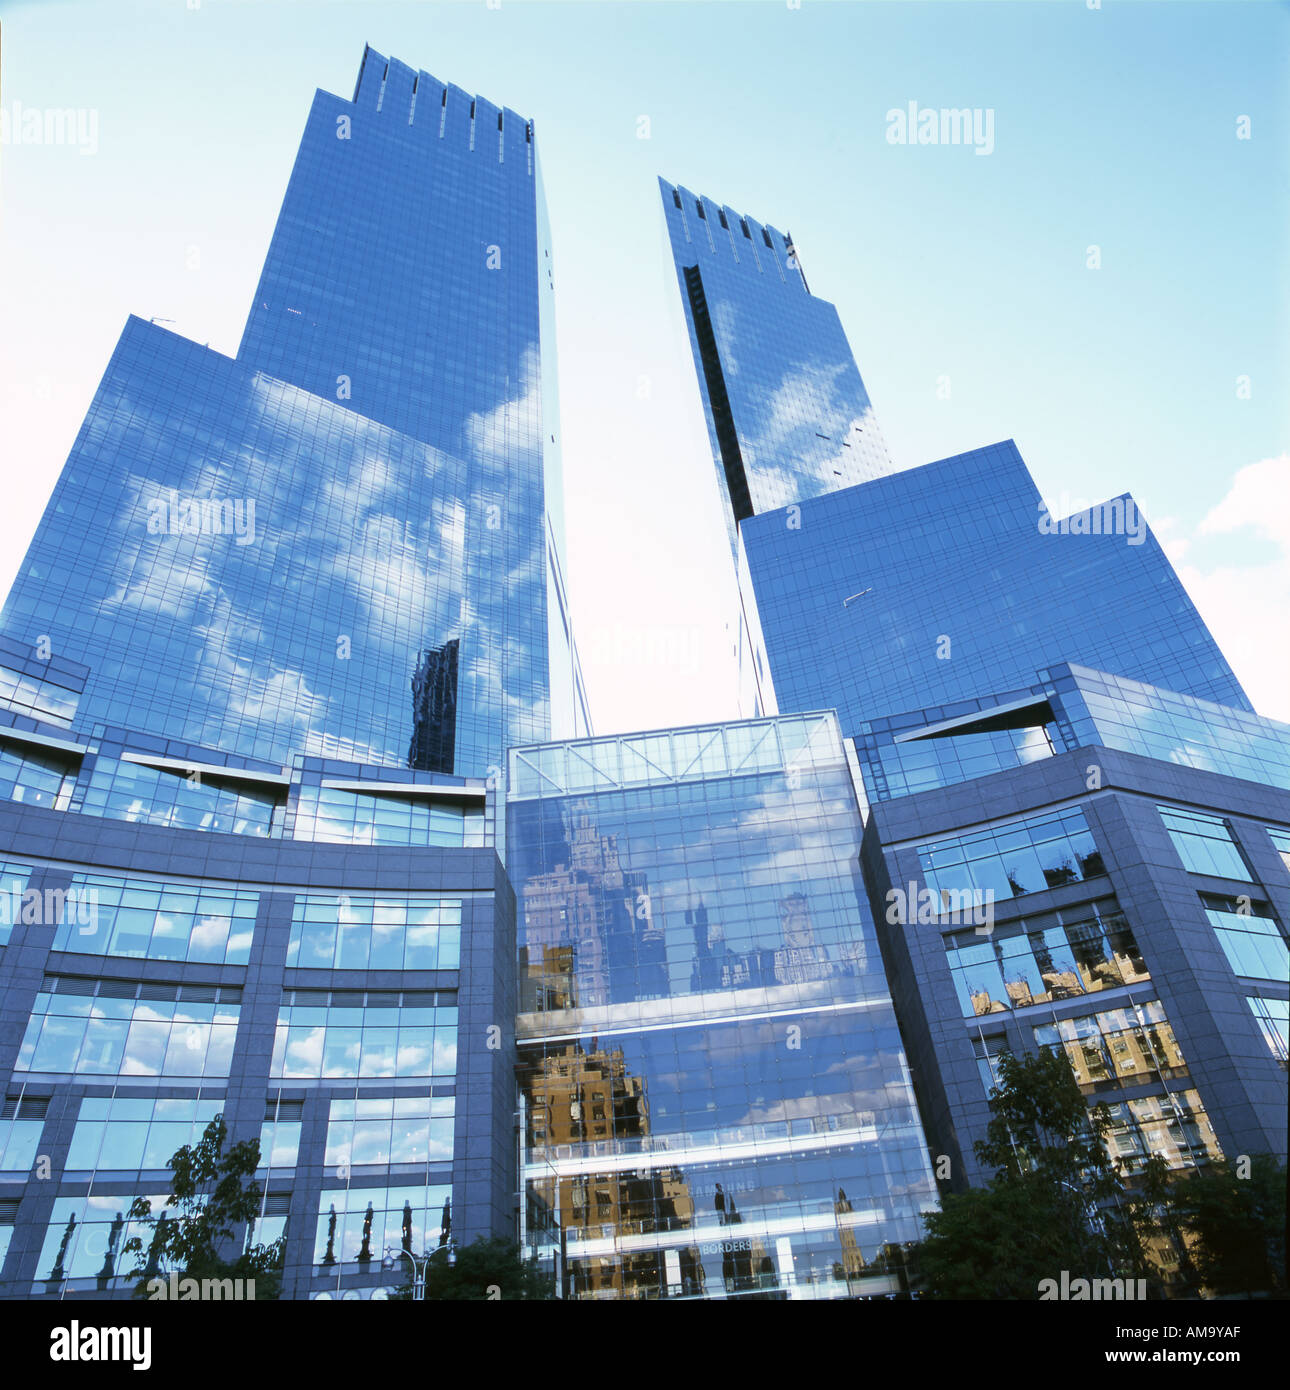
(85, 1238)
(1175, 1127)
(1025, 856)
(134, 1134)
(403, 1129)
(22, 1118)
(1251, 940)
(144, 918)
(373, 1034)
(1078, 952)
(280, 1135)
(158, 796)
(1281, 841)
(1118, 1047)
(353, 818)
(348, 932)
(35, 777)
(40, 698)
(1204, 843)
(102, 1029)
(361, 1223)
(1273, 1016)
(13, 884)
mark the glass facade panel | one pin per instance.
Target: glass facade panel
(1117, 1047)
(343, 817)
(905, 768)
(1173, 1126)
(1011, 860)
(349, 932)
(155, 796)
(146, 919)
(1273, 1016)
(1251, 941)
(788, 414)
(856, 614)
(1091, 950)
(1172, 727)
(84, 1241)
(386, 1036)
(38, 696)
(279, 1146)
(128, 1037)
(21, 1123)
(406, 1129)
(14, 878)
(133, 1134)
(345, 541)
(1281, 841)
(1204, 843)
(358, 1224)
(35, 777)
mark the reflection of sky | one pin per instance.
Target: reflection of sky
(359, 533)
(385, 418)
(935, 585)
(1195, 733)
(742, 850)
(800, 408)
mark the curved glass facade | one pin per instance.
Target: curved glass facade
(715, 1096)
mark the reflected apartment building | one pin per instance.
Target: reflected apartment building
(714, 1093)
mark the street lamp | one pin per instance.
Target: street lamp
(419, 1266)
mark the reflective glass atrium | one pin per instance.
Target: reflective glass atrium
(715, 1096)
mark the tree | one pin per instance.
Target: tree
(214, 1195)
(1056, 1202)
(1000, 1241)
(487, 1269)
(1237, 1225)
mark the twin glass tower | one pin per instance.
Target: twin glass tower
(290, 699)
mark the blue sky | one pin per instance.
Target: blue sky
(1114, 127)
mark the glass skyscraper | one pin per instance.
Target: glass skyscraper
(280, 678)
(344, 542)
(871, 589)
(788, 415)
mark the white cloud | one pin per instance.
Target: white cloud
(1245, 605)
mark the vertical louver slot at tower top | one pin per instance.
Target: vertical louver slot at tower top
(722, 419)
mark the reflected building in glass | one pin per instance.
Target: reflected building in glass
(714, 1092)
